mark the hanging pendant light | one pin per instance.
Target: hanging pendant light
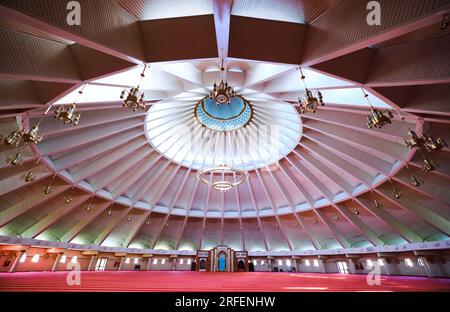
(377, 118)
(310, 102)
(14, 160)
(135, 97)
(222, 92)
(69, 116)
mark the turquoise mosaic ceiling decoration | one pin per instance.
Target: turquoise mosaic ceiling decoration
(225, 117)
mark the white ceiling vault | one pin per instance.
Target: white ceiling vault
(137, 171)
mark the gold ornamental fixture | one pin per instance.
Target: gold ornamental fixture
(135, 96)
(310, 102)
(28, 177)
(13, 139)
(222, 92)
(432, 144)
(222, 184)
(14, 160)
(377, 118)
(70, 116)
(395, 193)
(414, 141)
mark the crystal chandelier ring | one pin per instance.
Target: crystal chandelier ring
(222, 185)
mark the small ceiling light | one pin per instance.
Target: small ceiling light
(135, 97)
(69, 116)
(432, 144)
(376, 204)
(310, 102)
(335, 217)
(68, 199)
(396, 194)
(89, 205)
(109, 212)
(377, 118)
(316, 221)
(48, 187)
(28, 177)
(414, 141)
(356, 212)
(14, 160)
(429, 165)
(148, 221)
(222, 92)
(129, 217)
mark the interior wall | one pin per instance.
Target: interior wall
(434, 265)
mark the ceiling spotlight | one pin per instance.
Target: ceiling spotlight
(222, 185)
(429, 165)
(335, 217)
(414, 140)
(356, 212)
(28, 177)
(14, 160)
(222, 92)
(310, 102)
(433, 145)
(135, 97)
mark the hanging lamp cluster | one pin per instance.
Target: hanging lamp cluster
(135, 96)
(377, 118)
(222, 92)
(310, 102)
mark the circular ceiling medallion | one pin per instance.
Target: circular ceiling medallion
(224, 117)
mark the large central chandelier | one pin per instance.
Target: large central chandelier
(224, 175)
(222, 92)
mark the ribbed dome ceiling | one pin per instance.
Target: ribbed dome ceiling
(318, 181)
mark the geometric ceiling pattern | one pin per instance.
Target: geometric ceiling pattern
(133, 175)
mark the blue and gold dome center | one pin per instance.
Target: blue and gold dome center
(224, 117)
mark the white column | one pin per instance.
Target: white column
(174, 264)
(56, 263)
(387, 268)
(431, 269)
(91, 265)
(322, 266)
(149, 260)
(121, 264)
(17, 261)
(351, 266)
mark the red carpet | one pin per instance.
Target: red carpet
(202, 281)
